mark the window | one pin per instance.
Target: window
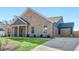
(32, 29)
(45, 29)
(45, 26)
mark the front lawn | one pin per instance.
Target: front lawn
(26, 44)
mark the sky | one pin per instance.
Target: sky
(70, 14)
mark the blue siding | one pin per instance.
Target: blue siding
(57, 24)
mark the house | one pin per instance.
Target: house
(32, 23)
(76, 33)
(2, 32)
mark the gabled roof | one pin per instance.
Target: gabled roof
(20, 18)
(55, 19)
(31, 10)
(65, 25)
(51, 19)
(24, 20)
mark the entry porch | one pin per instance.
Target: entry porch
(19, 31)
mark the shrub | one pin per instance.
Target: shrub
(41, 35)
(9, 35)
(34, 35)
(28, 35)
(48, 36)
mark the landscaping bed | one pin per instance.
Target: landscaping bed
(25, 44)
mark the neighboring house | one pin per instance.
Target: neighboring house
(32, 23)
(2, 32)
(76, 33)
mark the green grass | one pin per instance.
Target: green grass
(26, 44)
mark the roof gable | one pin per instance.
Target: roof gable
(18, 22)
(55, 19)
(31, 11)
(24, 20)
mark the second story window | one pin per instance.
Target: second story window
(32, 29)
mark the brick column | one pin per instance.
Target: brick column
(26, 31)
(18, 31)
(12, 31)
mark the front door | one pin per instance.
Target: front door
(22, 31)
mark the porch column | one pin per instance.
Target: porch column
(59, 31)
(71, 30)
(18, 31)
(26, 31)
(12, 31)
(71, 33)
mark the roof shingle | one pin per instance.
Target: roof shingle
(55, 19)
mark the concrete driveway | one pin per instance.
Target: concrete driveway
(59, 44)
